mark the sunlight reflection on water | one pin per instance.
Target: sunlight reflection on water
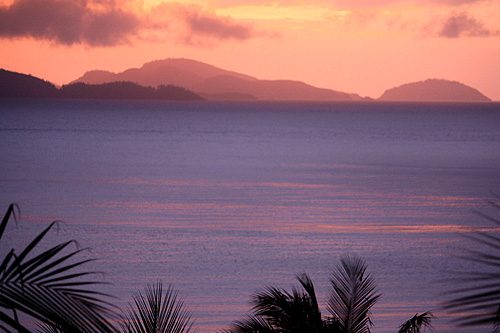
(222, 200)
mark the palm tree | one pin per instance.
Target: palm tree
(252, 324)
(277, 310)
(157, 312)
(46, 287)
(479, 297)
(415, 324)
(353, 295)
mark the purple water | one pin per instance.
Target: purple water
(223, 199)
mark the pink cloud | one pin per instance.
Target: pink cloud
(67, 22)
(456, 2)
(345, 4)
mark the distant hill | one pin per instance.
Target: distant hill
(126, 90)
(17, 85)
(176, 79)
(178, 72)
(14, 84)
(434, 90)
(229, 96)
(211, 81)
(270, 89)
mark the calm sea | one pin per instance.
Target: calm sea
(223, 199)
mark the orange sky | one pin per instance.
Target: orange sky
(361, 46)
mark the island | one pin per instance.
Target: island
(434, 90)
(17, 85)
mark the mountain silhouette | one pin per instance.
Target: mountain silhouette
(434, 90)
(17, 85)
(14, 84)
(176, 79)
(210, 81)
(126, 90)
(178, 72)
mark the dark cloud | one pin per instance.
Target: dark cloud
(68, 21)
(218, 27)
(106, 23)
(192, 24)
(461, 24)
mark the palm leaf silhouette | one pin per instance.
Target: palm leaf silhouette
(276, 310)
(479, 299)
(253, 324)
(44, 328)
(46, 287)
(415, 324)
(353, 295)
(157, 312)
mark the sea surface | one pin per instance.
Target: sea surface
(221, 199)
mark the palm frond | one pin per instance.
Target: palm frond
(311, 298)
(353, 295)
(45, 287)
(11, 211)
(297, 311)
(479, 293)
(278, 307)
(157, 312)
(277, 310)
(44, 328)
(252, 324)
(414, 324)
(12, 323)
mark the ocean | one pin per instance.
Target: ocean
(222, 199)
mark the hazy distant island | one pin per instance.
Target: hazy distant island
(215, 83)
(434, 90)
(17, 85)
(184, 79)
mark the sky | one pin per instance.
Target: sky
(354, 46)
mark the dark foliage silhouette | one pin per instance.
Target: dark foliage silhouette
(14, 84)
(414, 325)
(17, 85)
(45, 286)
(479, 295)
(114, 90)
(157, 312)
(353, 295)
(44, 328)
(277, 310)
(170, 92)
(125, 90)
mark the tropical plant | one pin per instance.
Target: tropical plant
(353, 295)
(414, 325)
(252, 324)
(479, 298)
(44, 328)
(45, 286)
(157, 312)
(277, 310)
